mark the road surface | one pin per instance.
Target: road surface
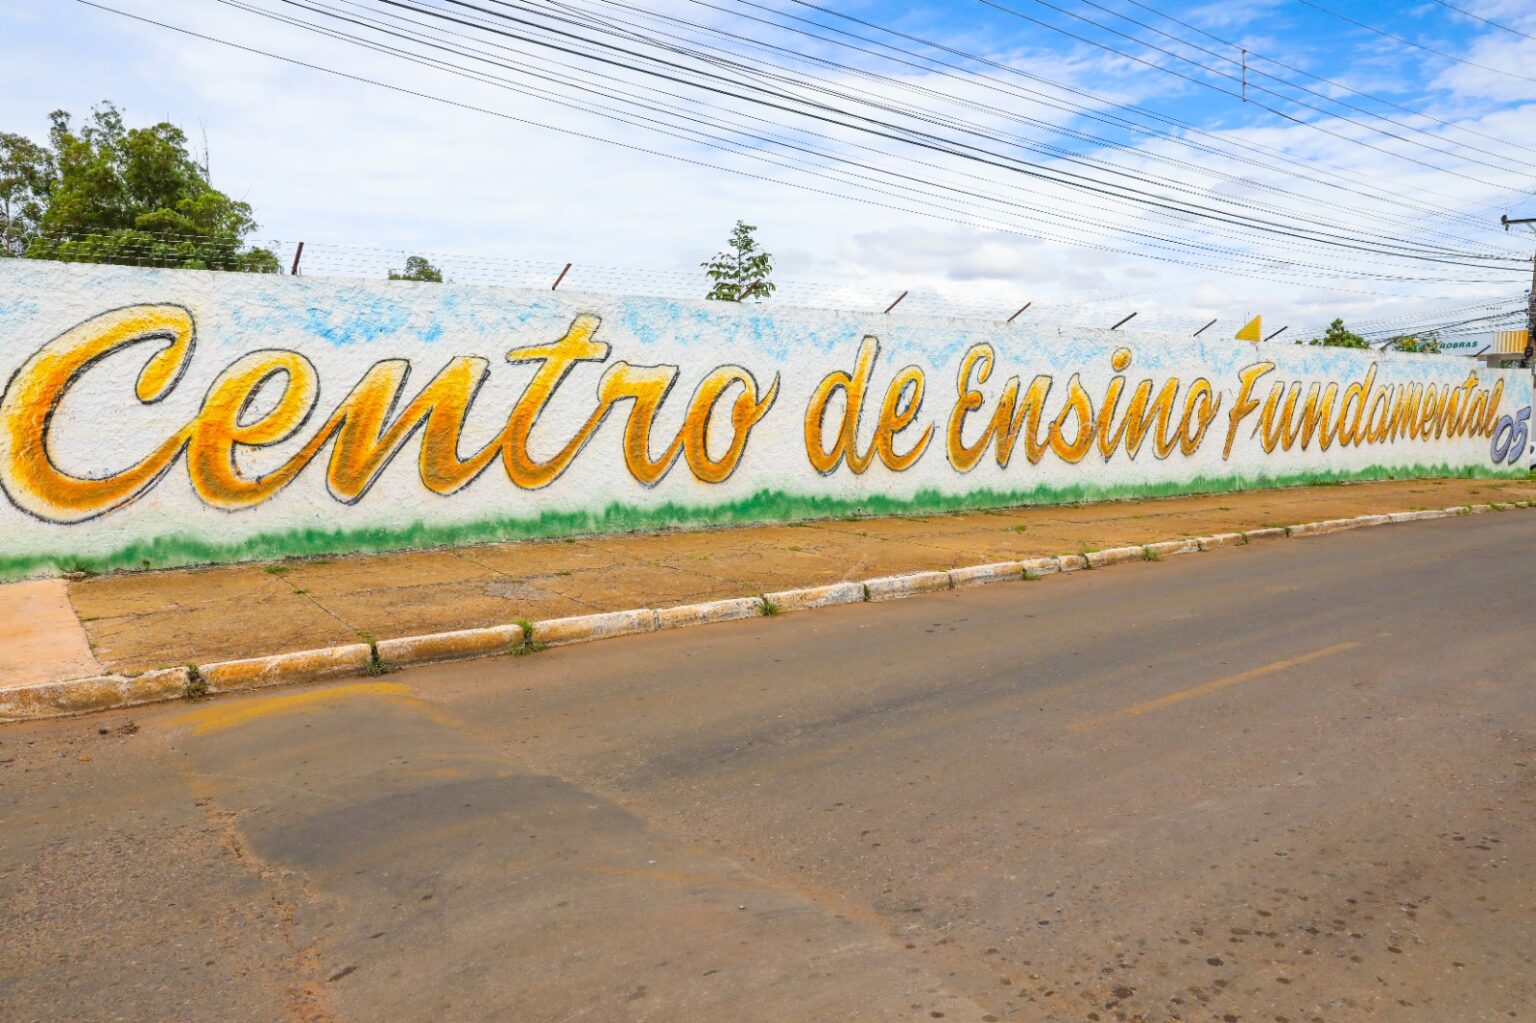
(1286, 783)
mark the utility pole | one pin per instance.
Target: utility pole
(1530, 300)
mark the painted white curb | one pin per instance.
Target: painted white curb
(684, 615)
(310, 665)
(106, 692)
(1039, 568)
(450, 646)
(580, 628)
(1168, 548)
(1116, 556)
(980, 575)
(815, 596)
(894, 587)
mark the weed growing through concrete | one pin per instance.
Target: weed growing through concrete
(197, 686)
(277, 570)
(769, 607)
(375, 666)
(527, 645)
(1151, 555)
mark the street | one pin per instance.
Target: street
(1288, 782)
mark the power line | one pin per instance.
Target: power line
(1334, 83)
(1410, 42)
(1231, 78)
(1097, 101)
(1272, 266)
(720, 85)
(672, 77)
(1395, 242)
(1485, 21)
(1271, 275)
(948, 71)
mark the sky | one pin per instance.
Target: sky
(509, 184)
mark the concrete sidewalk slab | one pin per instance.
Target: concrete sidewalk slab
(40, 638)
(142, 621)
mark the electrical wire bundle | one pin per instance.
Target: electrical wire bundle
(801, 94)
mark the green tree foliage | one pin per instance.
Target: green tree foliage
(741, 271)
(1423, 344)
(27, 173)
(417, 268)
(107, 193)
(1338, 336)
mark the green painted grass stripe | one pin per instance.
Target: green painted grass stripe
(174, 551)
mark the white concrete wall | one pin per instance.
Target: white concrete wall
(71, 437)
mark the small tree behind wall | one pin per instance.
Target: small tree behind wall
(741, 271)
(417, 268)
(1337, 336)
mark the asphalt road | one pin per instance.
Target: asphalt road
(1287, 783)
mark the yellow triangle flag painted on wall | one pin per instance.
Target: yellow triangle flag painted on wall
(1253, 330)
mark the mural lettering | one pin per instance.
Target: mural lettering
(363, 435)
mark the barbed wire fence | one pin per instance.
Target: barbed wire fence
(1104, 308)
(1101, 308)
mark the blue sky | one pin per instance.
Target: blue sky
(340, 163)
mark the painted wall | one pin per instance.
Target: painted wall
(169, 417)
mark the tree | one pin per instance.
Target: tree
(108, 193)
(1421, 344)
(1338, 336)
(27, 175)
(741, 271)
(417, 269)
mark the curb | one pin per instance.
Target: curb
(108, 692)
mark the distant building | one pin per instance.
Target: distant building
(1509, 348)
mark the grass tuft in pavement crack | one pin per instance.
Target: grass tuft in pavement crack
(375, 666)
(1151, 555)
(197, 686)
(527, 645)
(770, 608)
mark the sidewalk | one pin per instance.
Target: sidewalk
(138, 622)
